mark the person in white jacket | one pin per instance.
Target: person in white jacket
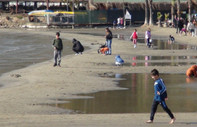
(190, 28)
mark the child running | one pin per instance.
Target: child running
(134, 36)
(160, 97)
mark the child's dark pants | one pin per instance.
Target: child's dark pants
(164, 106)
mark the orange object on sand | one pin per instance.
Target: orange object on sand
(191, 72)
(104, 50)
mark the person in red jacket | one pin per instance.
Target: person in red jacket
(191, 72)
(134, 36)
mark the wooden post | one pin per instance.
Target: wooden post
(35, 6)
(16, 6)
(47, 4)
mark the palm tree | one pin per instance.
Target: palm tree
(178, 8)
(172, 9)
(151, 12)
(91, 5)
(189, 9)
(146, 13)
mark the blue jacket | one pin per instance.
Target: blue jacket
(119, 59)
(159, 86)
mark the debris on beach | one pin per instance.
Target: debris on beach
(15, 75)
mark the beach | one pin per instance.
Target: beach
(25, 99)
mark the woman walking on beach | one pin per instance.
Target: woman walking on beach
(108, 37)
(160, 97)
(58, 46)
(148, 37)
(134, 36)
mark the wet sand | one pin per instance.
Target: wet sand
(24, 102)
(20, 49)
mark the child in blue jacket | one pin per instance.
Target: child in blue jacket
(118, 60)
(160, 97)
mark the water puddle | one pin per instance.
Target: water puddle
(161, 60)
(163, 57)
(159, 63)
(138, 96)
(163, 45)
(160, 43)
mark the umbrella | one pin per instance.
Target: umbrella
(40, 12)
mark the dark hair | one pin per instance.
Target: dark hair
(74, 39)
(108, 30)
(57, 33)
(155, 72)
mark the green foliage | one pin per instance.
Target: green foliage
(173, 2)
(159, 15)
(166, 16)
(19, 16)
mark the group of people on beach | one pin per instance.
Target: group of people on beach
(148, 40)
(159, 86)
(119, 24)
(160, 93)
(58, 47)
(186, 27)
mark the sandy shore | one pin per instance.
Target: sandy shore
(24, 100)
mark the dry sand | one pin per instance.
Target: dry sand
(24, 99)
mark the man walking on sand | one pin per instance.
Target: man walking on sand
(58, 46)
(160, 97)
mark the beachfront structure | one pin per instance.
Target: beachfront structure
(130, 1)
(92, 11)
(27, 5)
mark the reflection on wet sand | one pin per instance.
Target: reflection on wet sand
(137, 98)
(154, 60)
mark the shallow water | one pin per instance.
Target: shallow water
(138, 96)
(158, 43)
(160, 60)
(164, 57)
(159, 63)
(18, 50)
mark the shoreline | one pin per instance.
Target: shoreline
(44, 84)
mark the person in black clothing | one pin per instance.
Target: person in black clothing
(180, 25)
(174, 22)
(77, 47)
(108, 37)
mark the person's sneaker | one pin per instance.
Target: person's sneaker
(54, 65)
(149, 121)
(172, 121)
(59, 65)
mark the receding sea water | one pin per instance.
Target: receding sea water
(158, 43)
(138, 96)
(19, 50)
